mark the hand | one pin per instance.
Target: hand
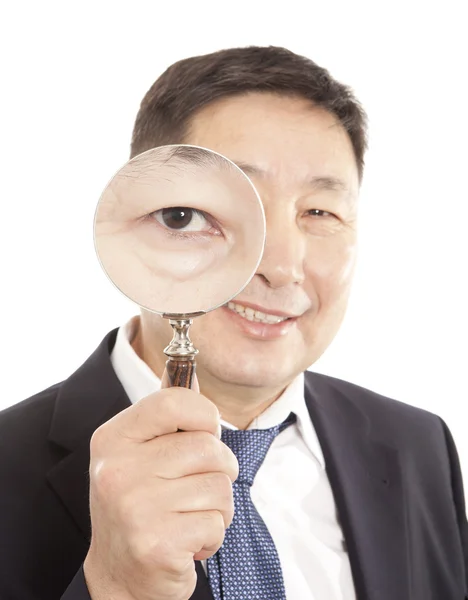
(160, 498)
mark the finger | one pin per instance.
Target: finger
(203, 532)
(163, 412)
(200, 492)
(185, 453)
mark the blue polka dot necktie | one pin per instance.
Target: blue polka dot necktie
(247, 566)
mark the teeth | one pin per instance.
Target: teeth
(255, 315)
(250, 313)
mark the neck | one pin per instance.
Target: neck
(238, 405)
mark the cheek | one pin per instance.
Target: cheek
(179, 267)
(330, 266)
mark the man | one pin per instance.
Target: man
(112, 487)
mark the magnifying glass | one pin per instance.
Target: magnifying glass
(180, 230)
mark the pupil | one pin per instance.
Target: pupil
(177, 217)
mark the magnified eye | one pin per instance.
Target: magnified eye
(184, 219)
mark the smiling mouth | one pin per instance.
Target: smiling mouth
(256, 316)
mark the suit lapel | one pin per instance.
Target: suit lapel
(366, 479)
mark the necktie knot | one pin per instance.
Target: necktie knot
(251, 446)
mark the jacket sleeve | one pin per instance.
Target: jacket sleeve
(458, 497)
(77, 590)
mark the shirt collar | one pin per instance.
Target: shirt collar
(138, 381)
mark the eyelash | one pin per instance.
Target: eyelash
(187, 236)
(181, 236)
(321, 211)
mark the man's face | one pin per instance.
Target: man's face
(296, 155)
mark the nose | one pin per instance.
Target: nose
(283, 258)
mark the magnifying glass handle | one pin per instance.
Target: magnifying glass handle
(180, 372)
(181, 353)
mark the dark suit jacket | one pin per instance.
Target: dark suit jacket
(393, 469)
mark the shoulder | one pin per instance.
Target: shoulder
(24, 428)
(388, 417)
(29, 415)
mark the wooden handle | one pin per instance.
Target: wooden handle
(180, 372)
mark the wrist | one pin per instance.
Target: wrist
(100, 585)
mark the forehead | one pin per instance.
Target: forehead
(286, 137)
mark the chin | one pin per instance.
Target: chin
(244, 363)
(253, 375)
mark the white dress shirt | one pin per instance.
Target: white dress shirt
(291, 490)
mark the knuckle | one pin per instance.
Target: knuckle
(229, 518)
(107, 479)
(211, 411)
(219, 529)
(173, 565)
(207, 449)
(97, 440)
(215, 522)
(231, 462)
(168, 404)
(209, 445)
(153, 552)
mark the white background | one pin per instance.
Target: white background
(72, 77)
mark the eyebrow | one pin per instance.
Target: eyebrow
(318, 182)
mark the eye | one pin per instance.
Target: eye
(321, 223)
(181, 219)
(316, 212)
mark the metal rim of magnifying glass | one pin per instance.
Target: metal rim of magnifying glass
(197, 313)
